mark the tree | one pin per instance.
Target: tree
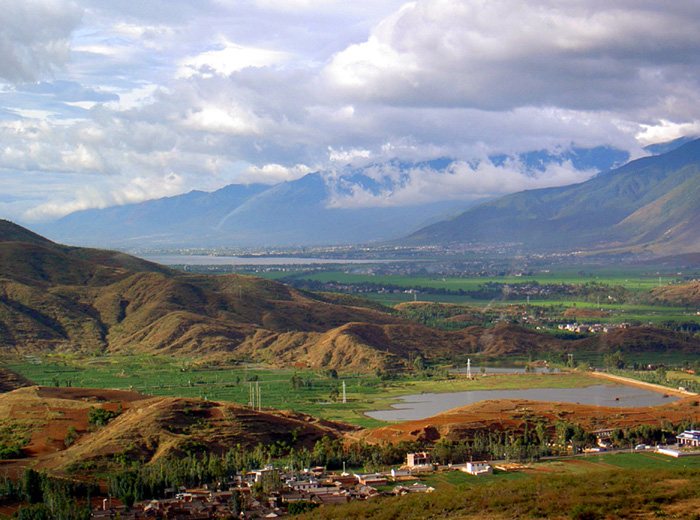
(334, 394)
(70, 437)
(661, 373)
(296, 382)
(100, 416)
(31, 487)
(419, 364)
(616, 360)
(301, 507)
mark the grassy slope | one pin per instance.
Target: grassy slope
(602, 493)
(582, 215)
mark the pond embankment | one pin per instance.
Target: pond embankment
(643, 384)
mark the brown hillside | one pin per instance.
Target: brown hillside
(512, 339)
(517, 414)
(148, 428)
(11, 232)
(55, 297)
(11, 380)
(680, 294)
(639, 339)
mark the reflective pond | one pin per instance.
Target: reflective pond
(421, 406)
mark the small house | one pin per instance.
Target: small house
(478, 468)
(418, 459)
(689, 438)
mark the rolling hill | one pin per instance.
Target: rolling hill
(147, 428)
(650, 204)
(56, 298)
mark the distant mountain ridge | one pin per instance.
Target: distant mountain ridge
(321, 208)
(650, 204)
(294, 213)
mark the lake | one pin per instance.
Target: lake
(247, 260)
(476, 370)
(421, 406)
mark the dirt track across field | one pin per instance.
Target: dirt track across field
(642, 384)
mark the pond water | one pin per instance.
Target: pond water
(421, 406)
(476, 370)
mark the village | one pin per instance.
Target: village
(272, 493)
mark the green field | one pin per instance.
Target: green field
(572, 465)
(636, 284)
(641, 282)
(313, 394)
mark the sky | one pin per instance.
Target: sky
(105, 103)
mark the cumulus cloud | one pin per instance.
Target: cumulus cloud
(459, 181)
(272, 174)
(227, 58)
(502, 54)
(35, 37)
(90, 196)
(220, 92)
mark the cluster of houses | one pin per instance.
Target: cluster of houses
(314, 486)
(596, 328)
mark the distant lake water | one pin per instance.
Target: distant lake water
(421, 406)
(247, 260)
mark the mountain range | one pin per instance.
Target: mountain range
(294, 213)
(318, 209)
(59, 298)
(648, 205)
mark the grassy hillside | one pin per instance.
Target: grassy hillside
(593, 494)
(649, 203)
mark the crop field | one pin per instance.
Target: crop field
(635, 283)
(312, 392)
(572, 465)
(642, 282)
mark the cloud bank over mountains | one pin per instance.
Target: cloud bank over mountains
(108, 103)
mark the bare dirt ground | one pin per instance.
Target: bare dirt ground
(514, 414)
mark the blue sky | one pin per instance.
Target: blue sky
(106, 103)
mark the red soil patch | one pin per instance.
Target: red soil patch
(148, 427)
(584, 313)
(515, 414)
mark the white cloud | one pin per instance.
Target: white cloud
(224, 92)
(347, 156)
(506, 53)
(228, 120)
(81, 159)
(228, 58)
(90, 196)
(272, 174)
(459, 181)
(665, 130)
(35, 37)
